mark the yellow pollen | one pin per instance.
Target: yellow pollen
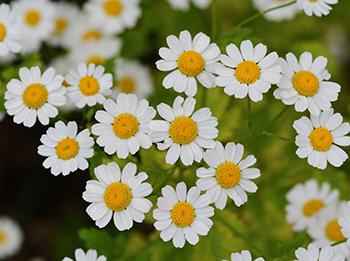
(127, 84)
(89, 86)
(312, 207)
(113, 7)
(67, 149)
(333, 231)
(2, 237)
(183, 130)
(117, 196)
(91, 35)
(32, 17)
(191, 63)
(3, 31)
(125, 126)
(305, 83)
(61, 25)
(321, 139)
(247, 72)
(182, 214)
(228, 175)
(95, 59)
(35, 96)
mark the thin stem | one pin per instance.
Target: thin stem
(277, 117)
(249, 115)
(214, 20)
(276, 136)
(257, 15)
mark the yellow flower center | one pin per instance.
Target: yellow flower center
(35, 95)
(117, 196)
(91, 35)
(305, 83)
(312, 207)
(32, 17)
(191, 63)
(321, 139)
(228, 175)
(67, 149)
(95, 59)
(2, 237)
(247, 72)
(3, 31)
(183, 214)
(183, 130)
(61, 25)
(89, 86)
(313, 1)
(127, 84)
(113, 7)
(333, 231)
(125, 126)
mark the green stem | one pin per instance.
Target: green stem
(214, 20)
(277, 117)
(257, 15)
(249, 115)
(276, 136)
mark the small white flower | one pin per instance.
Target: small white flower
(306, 201)
(184, 5)
(188, 59)
(285, 13)
(88, 85)
(123, 125)
(184, 132)
(313, 253)
(66, 149)
(182, 216)
(248, 71)
(319, 139)
(305, 84)
(228, 175)
(120, 194)
(34, 96)
(316, 7)
(10, 31)
(11, 237)
(344, 221)
(114, 15)
(244, 256)
(91, 255)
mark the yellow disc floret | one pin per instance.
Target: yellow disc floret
(191, 63)
(247, 72)
(113, 7)
(3, 31)
(321, 139)
(125, 126)
(67, 149)
(89, 86)
(312, 207)
(2, 237)
(182, 214)
(333, 231)
(96, 59)
(228, 175)
(183, 130)
(91, 35)
(61, 25)
(117, 196)
(35, 95)
(127, 84)
(32, 17)
(306, 83)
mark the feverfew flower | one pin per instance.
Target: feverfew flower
(305, 84)
(184, 132)
(66, 149)
(11, 237)
(188, 59)
(319, 139)
(344, 221)
(285, 13)
(120, 194)
(34, 96)
(10, 31)
(244, 256)
(90, 255)
(228, 175)
(123, 125)
(248, 71)
(184, 5)
(316, 7)
(313, 253)
(306, 201)
(182, 215)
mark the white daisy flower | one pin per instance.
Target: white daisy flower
(313, 253)
(344, 221)
(188, 60)
(285, 13)
(184, 132)
(10, 31)
(88, 85)
(316, 7)
(244, 256)
(319, 139)
(183, 215)
(91, 255)
(306, 201)
(132, 77)
(120, 194)
(185, 5)
(305, 84)
(66, 149)
(35, 95)
(248, 71)
(123, 125)
(228, 175)
(114, 15)
(36, 18)
(11, 237)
